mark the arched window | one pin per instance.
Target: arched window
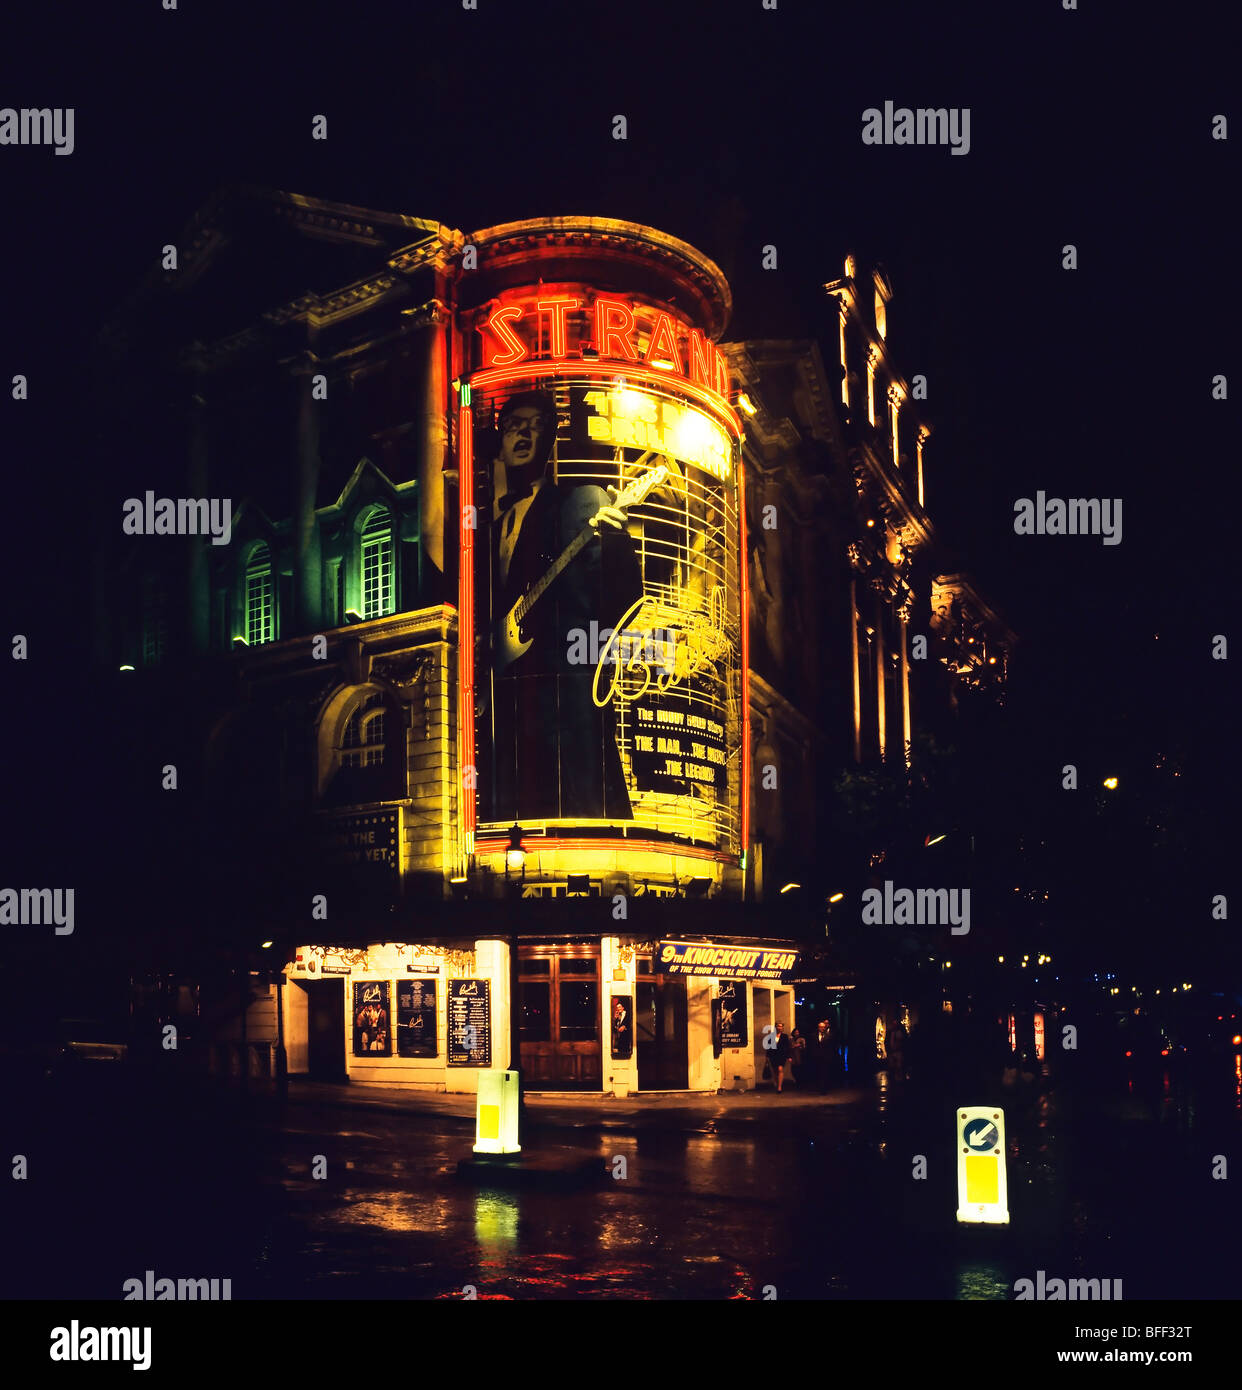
(377, 565)
(363, 743)
(259, 623)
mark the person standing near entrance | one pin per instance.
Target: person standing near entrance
(823, 1053)
(781, 1055)
(895, 1047)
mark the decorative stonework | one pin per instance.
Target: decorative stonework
(405, 669)
(426, 315)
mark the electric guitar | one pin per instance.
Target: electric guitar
(508, 641)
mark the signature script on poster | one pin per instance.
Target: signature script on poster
(697, 647)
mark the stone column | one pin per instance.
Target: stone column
(903, 618)
(880, 674)
(856, 670)
(430, 421)
(198, 577)
(307, 566)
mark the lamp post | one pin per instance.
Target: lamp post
(281, 1058)
(515, 862)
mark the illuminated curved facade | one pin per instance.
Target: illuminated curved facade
(617, 749)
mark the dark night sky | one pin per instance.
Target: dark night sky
(1089, 127)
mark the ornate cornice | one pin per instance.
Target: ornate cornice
(435, 252)
(583, 235)
(321, 309)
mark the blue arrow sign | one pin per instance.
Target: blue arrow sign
(981, 1135)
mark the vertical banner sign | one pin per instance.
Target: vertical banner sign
(469, 1023)
(982, 1190)
(733, 1031)
(416, 1018)
(607, 569)
(622, 1026)
(372, 1021)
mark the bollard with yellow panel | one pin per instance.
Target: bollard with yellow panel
(496, 1123)
(982, 1191)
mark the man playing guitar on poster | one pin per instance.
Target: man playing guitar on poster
(554, 751)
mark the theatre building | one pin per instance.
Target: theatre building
(464, 696)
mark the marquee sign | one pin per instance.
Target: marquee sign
(352, 839)
(723, 962)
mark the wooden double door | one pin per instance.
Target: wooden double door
(559, 1009)
(660, 1028)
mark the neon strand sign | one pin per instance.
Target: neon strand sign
(560, 327)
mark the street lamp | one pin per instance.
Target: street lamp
(515, 855)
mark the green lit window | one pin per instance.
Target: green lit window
(154, 622)
(377, 576)
(259, 627)
(363, 744)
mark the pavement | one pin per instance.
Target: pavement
(695, 1112)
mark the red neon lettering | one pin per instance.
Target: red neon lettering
(722, 373)
(556, 309)
(499, 327)
(614, 322)
(662, 348)
(701, 365)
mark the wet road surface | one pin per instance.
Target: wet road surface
(775, 1197)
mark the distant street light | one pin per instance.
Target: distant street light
(1111, 783)
(789, 887)
(836, 897)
